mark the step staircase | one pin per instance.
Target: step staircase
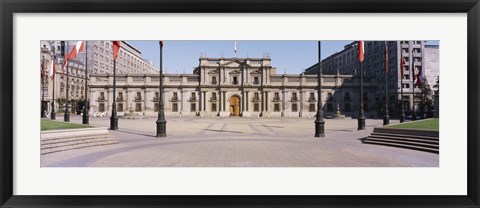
(427, 143)
(65, 142)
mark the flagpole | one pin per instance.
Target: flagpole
(42, 108)
(386, 118)
(52, 114)
(161, 122)
(319, 122)
(361, 116)
(114, 117)
(86, 104)
(66, 115)
(414, 114)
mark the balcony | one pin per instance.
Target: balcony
(192, 99)
(101, 99)
(255, 99)
(119, 99)
(138, 99)
(213, 82)
(311, 99)
(256, 82)
(155, 99)
(294, 99)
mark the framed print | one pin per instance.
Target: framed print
(239, 104)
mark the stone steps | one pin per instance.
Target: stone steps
(421, 143)
(59, 141)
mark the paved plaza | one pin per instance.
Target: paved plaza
(239, 142)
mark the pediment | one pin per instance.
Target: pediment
(235, 72)
(213, 72)
(255, 72)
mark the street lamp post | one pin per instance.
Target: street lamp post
(52, 112)
(66, 115)
(43, 89)
(386, 117)
(86, 105)
(319, 122)
(402, 110)
(114, 117)
(412, 61)
(361, 116)
(161, 122)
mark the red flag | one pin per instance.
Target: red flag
(386, 57)
(161, 43)
(361, 51)
(53, 68)
(413, 67)
(75, 50)
(116, 48)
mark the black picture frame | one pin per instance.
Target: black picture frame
(10, 7)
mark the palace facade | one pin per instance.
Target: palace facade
(248, 87)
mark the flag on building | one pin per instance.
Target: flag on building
(386, 57)
(419, 77)
(361, 51)
(116, 48)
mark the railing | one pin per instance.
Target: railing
(294, 99)
(101, 98)
(213, 99)
(138, 98)
(311, 99)
(119, 98)
(213, 82)
(276, 99)
(193, 99)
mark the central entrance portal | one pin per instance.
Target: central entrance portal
(234, 106)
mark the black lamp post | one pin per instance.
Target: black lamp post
(319, 122)
(114, 117)
(412, 61)
(161, 122)
(386, 117)
(85, 119)
(402, 110)
(43, 89)
(52, 113)
(66, 115)
(361, 116)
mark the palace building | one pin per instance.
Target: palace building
(248, 87)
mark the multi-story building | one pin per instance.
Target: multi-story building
(423, 57)
(248, 87)
(76, 81)
(99, 61)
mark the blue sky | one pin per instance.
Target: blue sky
(292, 56)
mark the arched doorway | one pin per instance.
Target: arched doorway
(234, 106)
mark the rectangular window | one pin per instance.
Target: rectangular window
(175, 96)
(193, 107)
(256, 107)
(294, 107)
(255, 96)
(155, 107)
(120, 107)
(101, 107)
(255, 80)
(277, 97)
(330, 107)
(193, 96)
(294, 96)
(235, 80)
(276, 107)
(175, 107)
(214, 80)
(214, 96)
(347, 107)
(214, 107)
(311, 107)
(312, 96)
(138, 107)
(139, 96)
